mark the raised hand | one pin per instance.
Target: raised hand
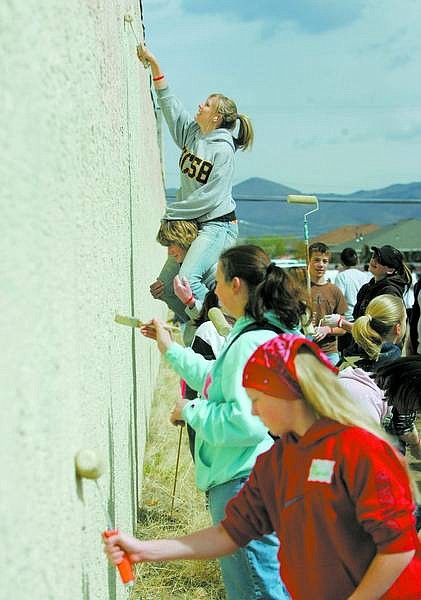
(144, 55)
(182, 289)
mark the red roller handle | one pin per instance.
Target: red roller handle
(125, 567)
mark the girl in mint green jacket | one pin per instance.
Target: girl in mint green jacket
(265, 301)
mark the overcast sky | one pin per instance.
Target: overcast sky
(333, 87)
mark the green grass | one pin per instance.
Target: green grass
(180, 580)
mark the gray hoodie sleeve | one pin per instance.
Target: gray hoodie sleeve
(178, 119)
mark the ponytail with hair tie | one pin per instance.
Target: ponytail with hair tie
(273, 268)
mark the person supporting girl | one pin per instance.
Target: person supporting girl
(335, 492)
(264, 301)
(206, 174)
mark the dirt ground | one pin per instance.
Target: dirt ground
(179, 580)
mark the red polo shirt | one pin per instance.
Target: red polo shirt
(336, 497)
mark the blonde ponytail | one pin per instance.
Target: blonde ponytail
(227, 109)
(245, 133)
(373, 328)
(365, 336)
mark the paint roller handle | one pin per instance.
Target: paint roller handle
(125, 567)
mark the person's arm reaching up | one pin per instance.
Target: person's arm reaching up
(158, 77)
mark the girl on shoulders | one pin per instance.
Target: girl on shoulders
(208, 145)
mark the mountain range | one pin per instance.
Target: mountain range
(263, 211)
(257, 187)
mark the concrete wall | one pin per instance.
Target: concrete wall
(81, 195)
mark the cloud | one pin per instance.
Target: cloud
(312, 16)
(397, 49)
(409, 133)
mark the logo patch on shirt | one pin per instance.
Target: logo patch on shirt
(321, 470)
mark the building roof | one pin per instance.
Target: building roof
(404, 235)
(346, 233)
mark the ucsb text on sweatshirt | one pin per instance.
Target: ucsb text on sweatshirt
(206, 165)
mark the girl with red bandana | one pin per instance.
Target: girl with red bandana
(334, 491)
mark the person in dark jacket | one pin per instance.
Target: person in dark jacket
(414, 340)
(390, 276)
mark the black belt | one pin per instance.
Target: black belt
(223, 218)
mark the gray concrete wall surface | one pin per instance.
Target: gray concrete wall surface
(81, 194)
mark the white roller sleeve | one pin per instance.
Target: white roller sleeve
(221, 324)
(291, 199)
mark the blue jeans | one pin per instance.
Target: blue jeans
(199, 264)
(252, 572)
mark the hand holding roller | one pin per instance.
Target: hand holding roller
(135, 322)
(89, 465)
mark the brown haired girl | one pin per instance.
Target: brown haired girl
(264, 301)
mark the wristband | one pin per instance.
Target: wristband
(158, 78)
(187, 302)
(340, 321)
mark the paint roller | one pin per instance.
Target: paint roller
(295, 199)
(135, 322)
(292, 199)
(128, 18)
(217, 317)
(89, 465)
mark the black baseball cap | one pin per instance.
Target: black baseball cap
(388, 256)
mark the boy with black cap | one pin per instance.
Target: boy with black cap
(390, 276)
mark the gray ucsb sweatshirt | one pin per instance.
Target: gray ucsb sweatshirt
(206, 165)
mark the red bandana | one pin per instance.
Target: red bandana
(271, 368)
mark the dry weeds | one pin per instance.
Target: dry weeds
(181, 580)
